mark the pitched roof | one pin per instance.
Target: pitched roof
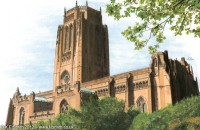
(86, 90)
(41, 99)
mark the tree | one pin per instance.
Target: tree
(180, 15)
(105, 114)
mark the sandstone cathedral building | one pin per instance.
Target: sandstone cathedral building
(82, 67)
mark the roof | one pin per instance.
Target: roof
(41, 99)
(86, 90)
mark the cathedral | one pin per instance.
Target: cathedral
(81, 68)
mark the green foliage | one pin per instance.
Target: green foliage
(181, 15)
(191, 123)
(109, 114)
(105, 114)
(183, 116)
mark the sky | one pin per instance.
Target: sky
(28, 37)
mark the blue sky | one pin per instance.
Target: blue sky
(28, 36)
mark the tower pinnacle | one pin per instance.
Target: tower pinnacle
(86, 3)
(17, 90)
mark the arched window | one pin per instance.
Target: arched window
(63, 106)
(21, 116)
(141, 104)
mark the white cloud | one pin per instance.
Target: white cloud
(27, 39)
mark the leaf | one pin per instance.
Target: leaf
(154, 13)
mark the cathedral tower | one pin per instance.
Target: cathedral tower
(82, 50)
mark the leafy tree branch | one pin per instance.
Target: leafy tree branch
(183, 16)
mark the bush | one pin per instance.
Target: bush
(184, 115)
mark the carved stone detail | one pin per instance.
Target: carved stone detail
(102, 92)
(63, 88)
(120, 88)
(66, 56)
(140, 85)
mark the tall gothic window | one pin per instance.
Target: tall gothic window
(66, 38)
(98, 39)
(63, 106)
(58, 41)
(70, 36)
(21, 116)
(141, 104)
(155, 62)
